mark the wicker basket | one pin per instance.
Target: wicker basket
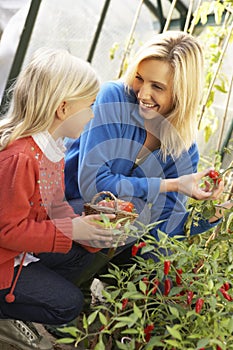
(94, 208)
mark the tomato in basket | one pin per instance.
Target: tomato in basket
(106, 203)
(122, 205)
(126, 206)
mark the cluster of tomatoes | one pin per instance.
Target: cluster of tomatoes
(215, 176)
(122, 205)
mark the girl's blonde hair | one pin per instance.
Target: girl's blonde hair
(51, 77)
(184, 54)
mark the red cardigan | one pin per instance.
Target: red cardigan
(33, 215)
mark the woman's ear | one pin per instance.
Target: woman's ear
(61, 111)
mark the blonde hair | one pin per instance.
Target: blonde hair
(184, 54)
(51, 77)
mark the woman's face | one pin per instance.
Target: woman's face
(152, 85)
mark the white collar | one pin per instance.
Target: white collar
(53, 150)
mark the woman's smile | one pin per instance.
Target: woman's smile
(153, 87)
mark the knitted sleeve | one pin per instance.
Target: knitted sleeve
(24, 225)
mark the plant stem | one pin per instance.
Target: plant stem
(215, 74)
(225, 115)
(169, 16)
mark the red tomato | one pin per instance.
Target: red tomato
(122, 205)
(126, 206)
(215, 176)
(105, 203)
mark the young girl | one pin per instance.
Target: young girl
(141, 145)
(38, 256)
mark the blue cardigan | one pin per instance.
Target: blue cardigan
(104, 158)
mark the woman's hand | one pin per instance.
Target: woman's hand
(191, 187)
(89, 230)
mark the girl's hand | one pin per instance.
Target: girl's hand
(190, 186)
(88, 229)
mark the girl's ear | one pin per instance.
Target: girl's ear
(61, 110)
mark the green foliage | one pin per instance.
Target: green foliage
(180, 297)
(213, 39)
(135, 315)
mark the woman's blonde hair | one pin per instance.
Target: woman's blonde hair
(51, 77)
(184, 54)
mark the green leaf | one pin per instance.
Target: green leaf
(65, 341)
(132, 268)
(137, 311)
(203, 342)
(107, 296)
(208, 212)
(131, 287)
(130, 331)
(103, 319)
(174, 311)
(210, 99)
(204, 12)
(134, 295)
(91, 318)
(125, 319)
(105, 219)
(194, 336)
(218, 12)
(207, 133)
(71, 330)
(120, 325)
(210, 284)
(100, 345)
(216, 254)
(154, 341)
(220, 88)
(142, 286)
(128, 320)
(172, 342)
(174, 332)
(85, 323)
(230, 325)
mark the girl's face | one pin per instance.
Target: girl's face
(153, 87)
(72, 117)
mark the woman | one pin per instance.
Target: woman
(141, 143)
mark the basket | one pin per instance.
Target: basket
(94, 208)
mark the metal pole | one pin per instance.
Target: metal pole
(98, 31)
(128, 45)
(21, 50)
